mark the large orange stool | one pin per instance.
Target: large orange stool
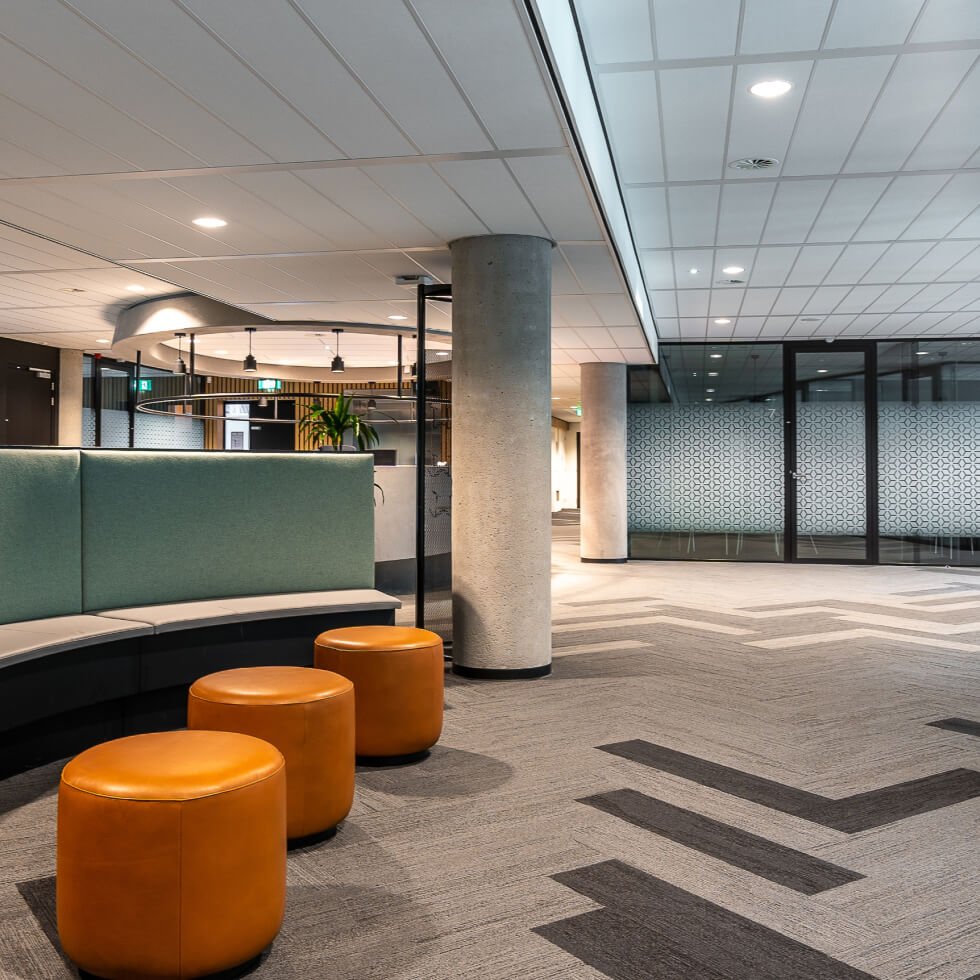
(308, 715)
(171, 854)
(398, 676)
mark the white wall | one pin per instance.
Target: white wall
(564, 466)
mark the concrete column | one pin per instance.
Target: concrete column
(69, 394)
(603, 464)
(502, 456)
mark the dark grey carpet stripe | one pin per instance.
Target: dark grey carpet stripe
(651, 930)
(962, 725)
(945, 590)
(783, 865)
(612, 602)
(953, 571)
(850, 814)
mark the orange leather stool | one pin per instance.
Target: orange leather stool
(398, 676)
(171, 854)
(308, 715)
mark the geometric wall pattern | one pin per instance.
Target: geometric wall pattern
(152, 431)
(830, 461)
(705, 467)
(929, 469)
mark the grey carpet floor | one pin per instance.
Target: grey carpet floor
(821, 680)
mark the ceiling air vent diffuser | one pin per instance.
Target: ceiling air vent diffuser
(753, 163)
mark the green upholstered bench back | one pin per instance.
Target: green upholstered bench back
(40, 534)
(167, 527)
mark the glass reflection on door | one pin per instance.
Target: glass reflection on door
(830, 477)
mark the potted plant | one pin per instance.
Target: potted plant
(325, 425)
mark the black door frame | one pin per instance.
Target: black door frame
(790, 537)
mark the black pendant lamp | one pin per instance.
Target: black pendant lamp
(180, 367)
(248, 365)
(337, 364)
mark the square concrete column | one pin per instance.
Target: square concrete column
(603, 463)
(502, 456)
(69, 397)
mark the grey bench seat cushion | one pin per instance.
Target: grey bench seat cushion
(35, 638)
(171, 616)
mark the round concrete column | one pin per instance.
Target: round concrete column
(502, 456)
(603, 463)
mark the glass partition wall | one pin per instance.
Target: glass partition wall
(817, 452)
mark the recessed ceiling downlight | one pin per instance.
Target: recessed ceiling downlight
(209, 222)
(771, 88)
(754, 163)
(732, 270)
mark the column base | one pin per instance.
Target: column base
(502, 673)
(606, 561)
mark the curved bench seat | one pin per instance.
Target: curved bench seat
(69, 682)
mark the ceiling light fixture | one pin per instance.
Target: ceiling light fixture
(770, 88)
(209, 222)
(710, 391)
(249, 365)
(102, 340)
(136, 289)
(718, 357)
(693, 272)
(822, 370)
(721, 321)
(732, 270)
(712, 374)
(921, 353)
(180, 367)
(397, 316)
(337, 364)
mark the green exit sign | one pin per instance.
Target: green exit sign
(270, 384)
(577, 409)
(144, 384)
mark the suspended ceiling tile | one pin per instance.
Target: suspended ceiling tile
(948, 209)
(744, 207)
(493, 194)
(899, 206)
(772, 265)
(614, 309)
(951, 140)
(853, 263)
(554, 188)
(825, 299)
(859, 24)
(916, 92)
(774, 25)
(794, 210)
(664, 303)
(593, 266)
(385, 49)
(473, 47)
(948, 20)
(813, 263)
(695, 118)
(693, 214)
(896, 260)
(758, 302)
(630, 107)
(696, 28)
(618, 32)
(627, 337)
(859, 299)
(649, 217)
(845, 208)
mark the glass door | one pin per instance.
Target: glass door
(830, 453)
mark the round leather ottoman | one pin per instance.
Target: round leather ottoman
(398, 676)
(171, 854)
(308, 715)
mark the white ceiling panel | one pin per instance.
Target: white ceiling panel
(553, 187)
(894, 298)
(930, 297)
(658, 269)
(744, 208)
(693, 214)
(758, 302)
(693, 302)
(899, 206)
(948, 20)
(840, 95)
(792, 300)
(846, 207)
(896, 261)
(489, 54)
(772, 266)
(918, 89)
(664, 303)
(593, 267)
(775, 25)
(813, 263)
(859, 299)
(825, 299)
(944, 261)
(393, 59)
(617, 32)
(860, 24)
(166, 37)
(947, 211)
(276, 42)
(952, 138)
(853, 263)
(763, 127)
(649, 216)
(493, 194)
(968, 268)
(695, 28)
(629, 104)
(627, 337)
(694, 141)
(794, 209)
(614, 310)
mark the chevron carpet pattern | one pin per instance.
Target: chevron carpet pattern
(735, 771)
